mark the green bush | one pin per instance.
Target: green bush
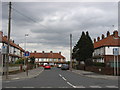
(20, 61)
(99, 64)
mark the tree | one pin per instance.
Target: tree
(79, 50)
(83, 50)
(32, 60)
(90, 48)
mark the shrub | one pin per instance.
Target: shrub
(99, 64)
(89, 62)
(20, 61)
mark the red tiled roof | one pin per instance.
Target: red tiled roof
(111, 40)
(4, 39)
(47, 55)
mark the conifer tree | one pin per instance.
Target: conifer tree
(83, 50)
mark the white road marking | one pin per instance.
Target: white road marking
(10, 87)
(111, 86)
(95, 86)
(64, 78)
(71, 84)
(79, 87)
(16, 78)
(28, 87)
(60, 75)
(45, 87)
(7, 81)
(62, 87)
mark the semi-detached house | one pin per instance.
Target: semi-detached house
(15, 51)
(103, 48)
(48, 57)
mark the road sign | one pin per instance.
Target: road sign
(27, 54)
(116, 51)
(4, 50)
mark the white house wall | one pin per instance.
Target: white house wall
(0, 47)
(99, 51)
(109, 50)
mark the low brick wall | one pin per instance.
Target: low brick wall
(100, 70)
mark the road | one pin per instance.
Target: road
(56, 78)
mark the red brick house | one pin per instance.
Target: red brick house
(103, 48)
(50, 58)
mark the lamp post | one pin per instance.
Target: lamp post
(24, 53)
(70, 52)
(25, 40)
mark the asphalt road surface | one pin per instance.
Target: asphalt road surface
(57, 78)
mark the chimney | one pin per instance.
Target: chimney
(103, 36)
(1, 33)
(60, 53)
(13, 41)
(108, 33)
(98, 38)
(35, 51)
(5, 36)
(94, 40)
(115, 33)
(43, 52)
(51, 52)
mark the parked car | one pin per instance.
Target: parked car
(59, 65)
(65, 67)
(41, 65)
(47, 67)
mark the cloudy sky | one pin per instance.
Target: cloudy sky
(49, 24)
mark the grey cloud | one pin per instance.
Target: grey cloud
(55, 21)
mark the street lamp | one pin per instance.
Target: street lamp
(26, 40)
(25, 51)
(70, 52)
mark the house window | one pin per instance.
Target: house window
(55, 60)
(59, 59)
(50, 59)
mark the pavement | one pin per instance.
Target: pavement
(94, 75)
(23, 75)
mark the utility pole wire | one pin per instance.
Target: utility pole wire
(27, 16)
(5, 4)
(24, 15)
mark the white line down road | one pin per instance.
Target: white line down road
(66, 80)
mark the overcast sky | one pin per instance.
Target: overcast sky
(50, 24)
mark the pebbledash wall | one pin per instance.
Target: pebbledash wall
(15, 51)
(103, 48)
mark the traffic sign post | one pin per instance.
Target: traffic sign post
(4, 50)
(116, 53)
(27, 54)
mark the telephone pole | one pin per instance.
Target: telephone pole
(9, 29)
(70, 52)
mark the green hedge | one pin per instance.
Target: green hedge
(20, 61)
(99, 64)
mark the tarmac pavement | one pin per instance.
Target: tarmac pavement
(94, 75)
(23, 75)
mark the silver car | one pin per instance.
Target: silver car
(65, 67)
